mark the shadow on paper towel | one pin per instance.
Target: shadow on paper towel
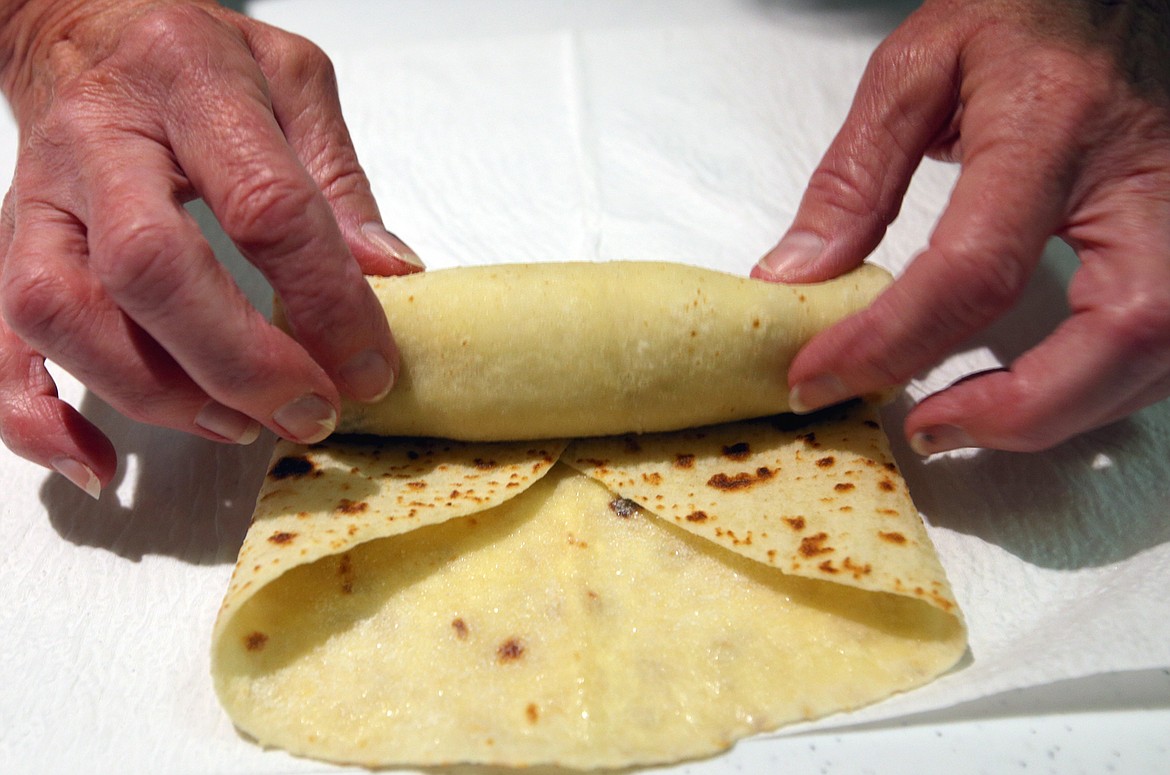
(175, 494)
(1095, 500)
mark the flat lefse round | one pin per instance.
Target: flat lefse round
(561, 623)
(562, 350)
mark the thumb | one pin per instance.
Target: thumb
(905, 99)
(305, 101)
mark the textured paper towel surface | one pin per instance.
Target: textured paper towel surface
(687, 142)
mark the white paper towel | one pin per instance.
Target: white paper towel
(679, 141)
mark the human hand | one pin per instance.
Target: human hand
(128, 109)
(1059, 115)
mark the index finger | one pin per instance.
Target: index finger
(1010, 197)
(231, 147)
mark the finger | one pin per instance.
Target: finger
(1091, 371)
(39, 426)
(152, 260)
(1005, 204)
(303, 90)
(1110, 359)
(34, 422)
(52, 303)
(905, 99)
(229, 144)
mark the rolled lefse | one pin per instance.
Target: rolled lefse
(610, 601)
(563, 350)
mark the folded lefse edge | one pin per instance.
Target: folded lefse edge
(265, 556)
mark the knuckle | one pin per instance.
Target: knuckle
(138, 256)
(983, 287)
(37, 304)
(305, 62)
(853, 189)
(260, 207)
(1142, 323)
(168, 36)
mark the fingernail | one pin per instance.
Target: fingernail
(227, 423)
(817, 393)
(794, 251)
(368, 376)
(940, 438)
(80, 475)
(389, 243)
(308, 419)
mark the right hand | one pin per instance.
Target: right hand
(126, 110)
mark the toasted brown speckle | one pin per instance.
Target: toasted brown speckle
(288, 467)
(741, 480)
(813, 545)
(510, 650)
(623, 507)
(347, 506)
(739, 451)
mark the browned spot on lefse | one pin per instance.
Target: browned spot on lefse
(892, 537)
(255, 641)
(697, 516)
(796, 523)
(485, 465)
(460, 628)
(739, 451)
(684, 461)
(288, 467)
(346, 506)
(532, 713)
(280, 537)
(843, 486)
(826, 462)
(510, 650)
(623, 507)
(813, 545)
(857, 569)
(886, 485)
(742, 480)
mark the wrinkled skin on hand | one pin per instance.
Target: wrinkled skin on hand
(1059, 115)
(128, 109)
